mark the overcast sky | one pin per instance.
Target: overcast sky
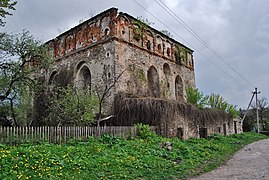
(237, 30)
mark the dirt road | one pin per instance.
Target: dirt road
(251, 162)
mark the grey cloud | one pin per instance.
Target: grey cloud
(236, 29)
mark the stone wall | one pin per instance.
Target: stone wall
(116, 47)
(174, 118)
(150, 62)
(95, 52)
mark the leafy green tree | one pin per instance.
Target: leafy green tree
(233, 111)
(217, 101)
(195, 97)
(71, 106)
(21, 56)
(6, 5)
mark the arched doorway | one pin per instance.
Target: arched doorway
(179, 88)
(153, 82)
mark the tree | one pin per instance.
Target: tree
(263, 112)
(69, 105)
(6, 5)
(249, 121)
(217, 101)
(103, 91)
(195, 97)
(21, 56)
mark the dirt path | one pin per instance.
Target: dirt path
(251, 162)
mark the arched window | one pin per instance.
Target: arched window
(83, 78)
(153, 82)
(179, 88)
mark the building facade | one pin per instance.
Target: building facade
(114, 49)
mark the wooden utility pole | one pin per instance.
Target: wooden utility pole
(257, 109)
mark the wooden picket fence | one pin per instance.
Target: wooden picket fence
(60, 135)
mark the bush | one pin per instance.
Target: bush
(195, 97)
(111, 140)
(144, 132)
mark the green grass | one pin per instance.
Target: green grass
(115, 158)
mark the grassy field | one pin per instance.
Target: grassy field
(145, 157)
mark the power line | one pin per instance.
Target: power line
(188, 28)
(225, 73)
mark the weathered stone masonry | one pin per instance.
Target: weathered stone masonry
(154, 65)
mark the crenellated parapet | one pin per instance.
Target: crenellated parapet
(89, 33)
(110, 25)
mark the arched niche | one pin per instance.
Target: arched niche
(149, 40)
(167, 74)
(159, 44)
(179, 88)
(168, 49)
(153, 82)
(83, 77)
(80, 38)
(166, 70)
(52, 78)
(70, 44)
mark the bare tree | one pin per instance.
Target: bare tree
(104, 91)
(263, 110)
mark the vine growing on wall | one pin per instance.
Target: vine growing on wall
(180, 55)
(141, 25)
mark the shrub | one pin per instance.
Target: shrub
(195, 97)
(144, 132)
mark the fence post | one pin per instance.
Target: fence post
(10, 136)
(1, 134)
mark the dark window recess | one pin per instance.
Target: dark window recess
(159, 47)
(235, 127)
(180, 133)
(168, 52)
(148, 45)
(203, 133)
(153, 82)
(219, 130)
(224, 129)
(178, 58)
(106, 31)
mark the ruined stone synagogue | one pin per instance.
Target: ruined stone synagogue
(149, 69)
